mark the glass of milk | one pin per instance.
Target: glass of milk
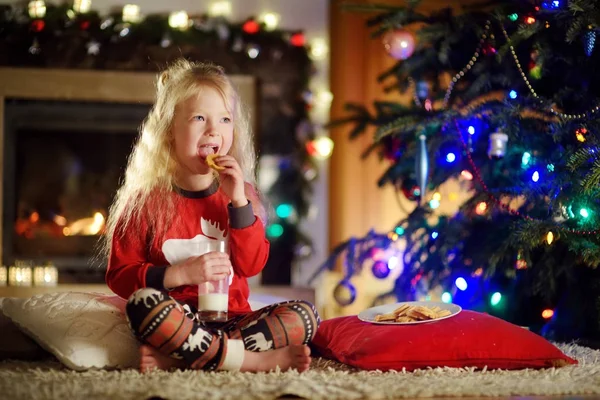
(214, 296)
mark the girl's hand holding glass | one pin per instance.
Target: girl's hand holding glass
(209, 267)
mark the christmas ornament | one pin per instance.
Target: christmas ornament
(344, 293)
(238, 44)
(422, 168)
(535, 65)
(521, 263)
(303, 251)
(589, 40)
(488, 49)
(203, 24)
(35, 47)
(380, 269)
(38, 25)
(222, 31)
(93, 48)
(276, 54)
(297, 39)
(399, 43)
(422, 90)
(166, 41)
(106, 23)
(309, 172)
(560, 215)
(497, 145)
(410, 189)
(250, 27)
(253, 50)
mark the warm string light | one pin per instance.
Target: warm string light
(550, 237)
(532, 90)
(179, 20)
(3, 275)
(37, 9)
(131, 13)
(271, 20)
(547, 313)
(507, 206)
(82, 6)
(219, 9)
(318, 49)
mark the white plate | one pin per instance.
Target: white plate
(368, 315)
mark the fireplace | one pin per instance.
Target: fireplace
(62, 165)
(65, 137)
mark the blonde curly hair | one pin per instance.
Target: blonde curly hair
(152, 166)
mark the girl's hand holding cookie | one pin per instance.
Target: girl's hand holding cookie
(232, 179)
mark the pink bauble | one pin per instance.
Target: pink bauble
(399, 44)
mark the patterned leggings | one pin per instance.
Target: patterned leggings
(158, 320)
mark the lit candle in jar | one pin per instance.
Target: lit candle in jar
(45, 275)
(19, 276)
(3, 275)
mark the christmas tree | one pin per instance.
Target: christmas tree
(506, 104)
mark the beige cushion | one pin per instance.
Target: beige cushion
(15, 344)
(83, 330)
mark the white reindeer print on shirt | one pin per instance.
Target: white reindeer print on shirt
(177, 250)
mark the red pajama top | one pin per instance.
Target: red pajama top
(139, 259)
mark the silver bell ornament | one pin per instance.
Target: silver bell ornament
(497, 145)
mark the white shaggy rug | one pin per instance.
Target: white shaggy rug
(326, 380)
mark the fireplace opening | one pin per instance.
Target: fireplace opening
(63, 162)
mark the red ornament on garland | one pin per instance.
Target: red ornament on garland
(251, 27)
(38, 25)
(410, 189)
(399, 43)
(298, 39)
(488, 49)
(84, 25)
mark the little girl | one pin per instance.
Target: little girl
(171, 198)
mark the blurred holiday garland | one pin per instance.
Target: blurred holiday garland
(34, 34)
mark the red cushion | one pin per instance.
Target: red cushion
(469, 339)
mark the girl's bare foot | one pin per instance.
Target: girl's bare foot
(290, 357)
(150, 358)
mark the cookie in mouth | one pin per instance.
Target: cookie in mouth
(210, 161)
